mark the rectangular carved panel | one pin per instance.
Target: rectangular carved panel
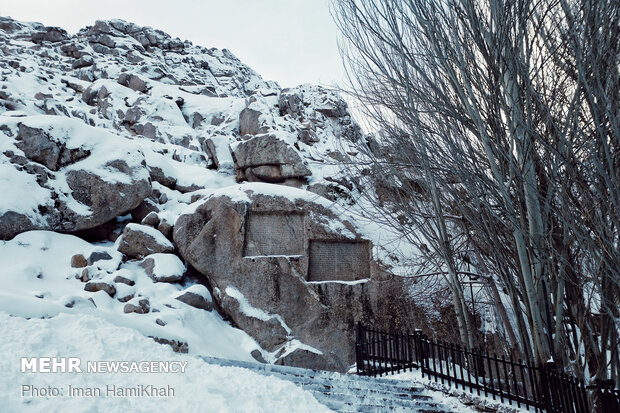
(338, 261)
(274, 234)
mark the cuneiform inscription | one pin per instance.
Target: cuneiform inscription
(332, 261)
(274, 234)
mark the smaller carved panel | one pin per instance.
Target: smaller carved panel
(338, 261)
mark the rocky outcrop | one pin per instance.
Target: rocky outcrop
(106, 199)
(269, 159)
(49, 34)
(143, 124)
(40, 147)
(250, 122)
(286, 268)
(315, 106)
(76, 177)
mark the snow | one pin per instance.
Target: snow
(167, 265)
(106, 145)
(200, 290)
(202, 388)
(441, 392)
(25, 192)
(186, 174)
(356, 282)
(295, 344)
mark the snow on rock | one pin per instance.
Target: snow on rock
(267, 158)
(218, 388)
(139, 241)
(197, 296)
(163, 267)
(137, 305)
(249, 310)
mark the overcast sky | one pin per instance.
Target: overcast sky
(290, 41)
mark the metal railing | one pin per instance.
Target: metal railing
(477, 371)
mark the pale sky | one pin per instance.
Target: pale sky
(289, 41)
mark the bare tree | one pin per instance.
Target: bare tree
(502, 115)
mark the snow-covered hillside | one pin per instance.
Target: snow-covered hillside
(121, 124)
(159, 189)
(120, 118)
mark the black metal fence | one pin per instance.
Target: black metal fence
(477, 371)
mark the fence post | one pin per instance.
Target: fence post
(546, 384)
(359, 360)
(606, 396)
(419, 349)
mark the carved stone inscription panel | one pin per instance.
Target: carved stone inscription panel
(274, 234)
(344, 261)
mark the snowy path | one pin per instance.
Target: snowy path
(352, 393)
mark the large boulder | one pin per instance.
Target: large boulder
(40, 147)
(314, 106)
(268, 158)
(66, 176)
(294, 102)
(286, 269)
(133, 82)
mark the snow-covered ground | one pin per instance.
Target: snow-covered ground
(39, 282)
(201, 388)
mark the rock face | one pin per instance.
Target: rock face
(106, 200)
(109, 76)
(250, 122)
(133, 82)
(40, 147)
(285, 270)
(76, 177)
